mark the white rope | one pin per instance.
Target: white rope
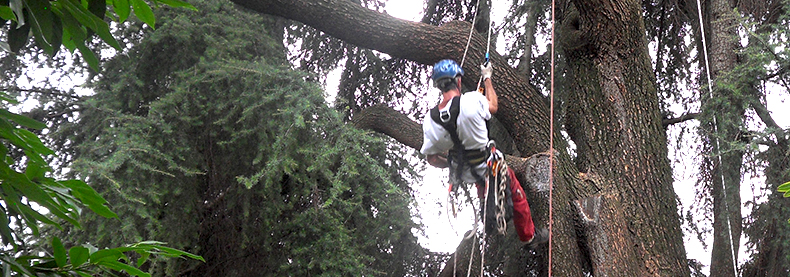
(488, 47)
(482, 248)
(472, 254)
(716, 139)
(474, 231)
(469, 40)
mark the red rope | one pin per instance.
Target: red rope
(551, 137)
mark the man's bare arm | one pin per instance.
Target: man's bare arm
(438, 160)
(493, 101)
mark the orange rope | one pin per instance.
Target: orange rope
(551, 137)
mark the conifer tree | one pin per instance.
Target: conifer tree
(202, 135)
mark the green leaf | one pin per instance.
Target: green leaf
(40, 17)
(143, 257)
(98, 8)
(7, 13)
(79, 255)
(144, 12)
(119, 266)
(121, 8)
(109, 255)
(88, 56)
(14, 265)
(784, 187)
(90, 197)
(178, 4)
(71, 25)
(5, 97)
(17, 36)
(67, 41)
(59, 251)
(5, 231)
(34, 192)
(33, 142)
(16, 6)
(4, 45)
(172, 252)
(92, 22)
(22, 120)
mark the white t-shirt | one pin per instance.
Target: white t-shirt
(471, 126)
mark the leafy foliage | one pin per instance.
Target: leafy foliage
(70, 23)
(201, 137)
(784, 188)
(28, 195)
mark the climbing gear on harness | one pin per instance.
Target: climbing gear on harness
(498, 186)
(446, 69)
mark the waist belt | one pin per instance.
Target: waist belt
(473, 156)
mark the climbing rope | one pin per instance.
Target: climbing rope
(474, 232)
(469, 39)
(551, 138)
(716, 139)
(488, 48)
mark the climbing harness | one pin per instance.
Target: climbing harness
(716, 139)
(497, 168)
(462, 157)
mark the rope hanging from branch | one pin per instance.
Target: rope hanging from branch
(551, 139)
(716, 139)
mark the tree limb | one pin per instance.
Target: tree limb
(425, 44)
(52, 92)
(670, 121)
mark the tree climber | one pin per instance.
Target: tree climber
(455, 133)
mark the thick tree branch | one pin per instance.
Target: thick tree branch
(765, 117)
(388, 121)
(425, 44)
(669, 121)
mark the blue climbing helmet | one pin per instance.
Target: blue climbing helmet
(446, 69)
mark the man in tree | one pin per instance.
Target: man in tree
(456, 136)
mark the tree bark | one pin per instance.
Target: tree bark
(607, 238)
(628, 145)
(728, 119)
(614, 118)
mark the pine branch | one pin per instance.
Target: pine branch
(50, 91)
(62, 113)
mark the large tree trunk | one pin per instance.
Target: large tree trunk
(728, 113)
(627, 148)
(613, 116)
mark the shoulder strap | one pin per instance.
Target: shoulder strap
(449, 119)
